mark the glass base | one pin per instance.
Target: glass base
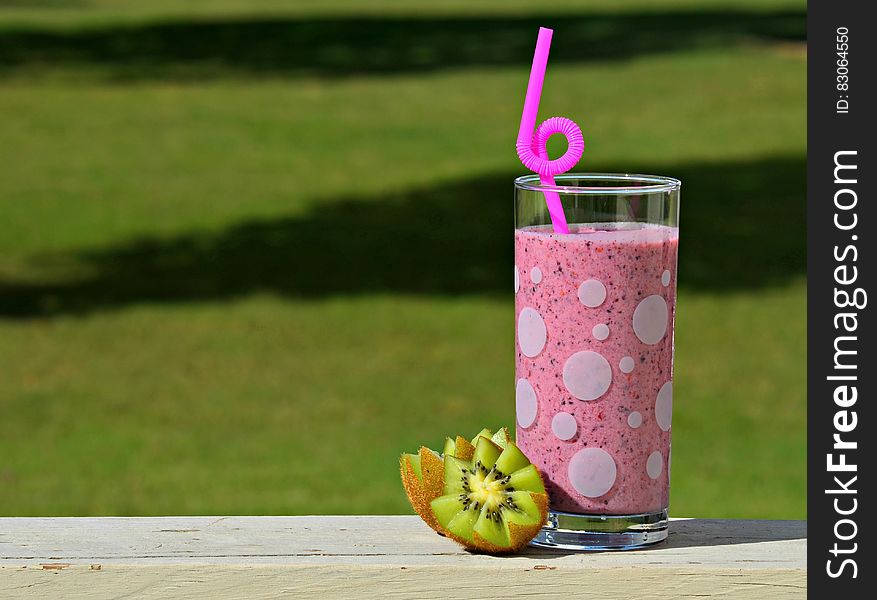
(570, 531)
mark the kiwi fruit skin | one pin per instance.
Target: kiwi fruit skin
(464, 448)
(424, 486)
(423, 476)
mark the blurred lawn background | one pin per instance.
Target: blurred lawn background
(251, 250)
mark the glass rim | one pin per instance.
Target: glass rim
(627, 183)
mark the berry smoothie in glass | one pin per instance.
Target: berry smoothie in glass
(594, 312)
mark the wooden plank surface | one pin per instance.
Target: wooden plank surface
(379, 557)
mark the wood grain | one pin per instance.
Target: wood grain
(379, 557)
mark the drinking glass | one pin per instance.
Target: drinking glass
(594, 315)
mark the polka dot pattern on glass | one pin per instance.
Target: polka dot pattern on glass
(536, 275)
(664, 406)
(592, 293)
(531, 332)
(526, 404)
(650, 319)
(587, 375)
(517, 279)
(665, 278)
(626, 364)
(564, 426)
(655, 464)
(592, 472)
(635, 419)
(601, 331)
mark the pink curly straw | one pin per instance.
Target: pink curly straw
(531, 146)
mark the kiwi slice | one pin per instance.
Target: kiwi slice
(495, 502)
(502, 437)
(463, 448)
(422, 478)
(423, 475)
(483, 433)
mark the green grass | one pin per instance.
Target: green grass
(229, 288)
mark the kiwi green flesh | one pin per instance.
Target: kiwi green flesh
(481, 498)
(527, 512)
(455, 471)
(527, 479)
(446, 508)
(502, 437)
(414, 460)
(463, 523)
(511, 459)
(483, 433)
(450, 447)
(491, 522)
(493, 528)
(486, 453)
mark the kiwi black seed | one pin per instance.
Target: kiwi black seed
(496, 502)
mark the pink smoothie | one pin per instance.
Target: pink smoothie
(594, 312)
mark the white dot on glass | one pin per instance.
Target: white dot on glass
(531, 332)
(526, 404)
(626, 364)
(655, 464)
(517, 279)
(592, 472)
(587, 375)
(592, 293)
(635, 419)
(535, 274)
(664, 406)
(665, 278)
(564, 426)
(601, 331)
(650, 319)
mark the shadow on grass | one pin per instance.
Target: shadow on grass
(742, 227)
(286, 46)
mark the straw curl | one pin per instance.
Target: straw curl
(533, 152)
